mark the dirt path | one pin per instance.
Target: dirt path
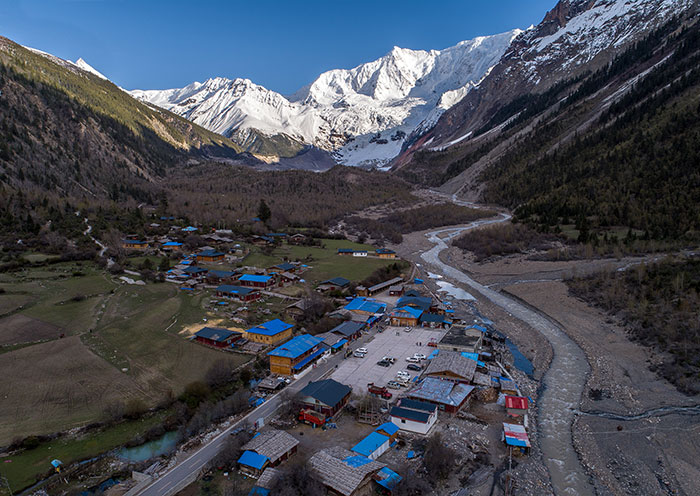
(564, 381)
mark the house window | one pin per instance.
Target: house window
(403, 421)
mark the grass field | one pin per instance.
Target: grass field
(23, 469)
(324, 261)
(68, 382)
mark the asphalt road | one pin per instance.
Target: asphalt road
(184, 472)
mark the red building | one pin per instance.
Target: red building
(219, 338)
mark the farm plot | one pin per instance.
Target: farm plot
(20, 329)
(57, 385)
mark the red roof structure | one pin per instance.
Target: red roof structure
(516, 402)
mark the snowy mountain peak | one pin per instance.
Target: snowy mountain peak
(80, 63)
(362, 114)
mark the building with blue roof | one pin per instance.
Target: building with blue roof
(217, 337)
(172, 246)
(388, 429)
(365, 306)
(387, 479)
(239, 292)
(257, 281)
(295, 355)
(252, 464)
(209, 256)
(373, 446)
(271, 332)
(447, 395)
(405, 316)
(414, 416)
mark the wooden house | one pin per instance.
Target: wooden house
(271, 332)
(327, 396)
(295, 355)
(135, 244)
(217, 337)
(209, 256)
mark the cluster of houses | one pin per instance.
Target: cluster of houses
(378, 253)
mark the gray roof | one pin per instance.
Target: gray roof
(348, 328)
(451, 361)
(327, 391)
(342, 470)
(272, 444)
(268, 478)
(385, 284)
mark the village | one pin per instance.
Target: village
(400, 362)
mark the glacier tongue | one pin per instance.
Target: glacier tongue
(363, 114)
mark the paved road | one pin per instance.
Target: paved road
(186, 471)
(564, 381)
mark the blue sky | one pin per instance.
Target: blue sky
(283, 45)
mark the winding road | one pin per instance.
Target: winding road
(563, 383)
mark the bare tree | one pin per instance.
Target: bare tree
(297, 480)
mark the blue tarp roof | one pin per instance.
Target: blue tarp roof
(477, 327)
(189, 229)
(270, 328)
(237, 290)
(296, 346)
(252, 459)
(474, 357)
(259, 491)
(215, 334)
(356, 461)
(254, 278)
(370, 444)
(388, 427)
(388, 478)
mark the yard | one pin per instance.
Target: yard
(393, 342)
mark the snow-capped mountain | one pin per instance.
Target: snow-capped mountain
(575, 36)
(362, 114)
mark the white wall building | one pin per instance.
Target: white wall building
(414, 416)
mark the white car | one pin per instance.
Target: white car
(389, 359)
(358, 354)
(403, 373)
(419, 356)
(413, 359)
(361, 350)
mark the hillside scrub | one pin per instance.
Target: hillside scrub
(392, 226)
(660, 305)
(503, 239)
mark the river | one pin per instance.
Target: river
(563, 383)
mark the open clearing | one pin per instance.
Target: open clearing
(393, 342)
(324, 261)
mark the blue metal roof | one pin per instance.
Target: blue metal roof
(370, 444)
(189, 229)
(270, 328)
(285, 266)
(254, 278)
(195, 270)
(252, 459)
(210, 253)
(339, 344)
(215, 334)
(365, 305)
(296, 346)
(172, 243)
(412, 312)
(388, 427)
(237, 290)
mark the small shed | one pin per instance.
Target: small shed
(373, 446)
(516, 406)
(515, 436)
(217, 337)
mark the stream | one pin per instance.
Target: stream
(563, 383)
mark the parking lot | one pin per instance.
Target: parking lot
(393, 342)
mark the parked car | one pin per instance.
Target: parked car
(407, 329)
(413, 359)
(384, 363)
(393, 385)
(358, 354)
(389, 359)
(403, 373)
(361, 350)
(413, 366)
(402, 381)
(419, 356)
